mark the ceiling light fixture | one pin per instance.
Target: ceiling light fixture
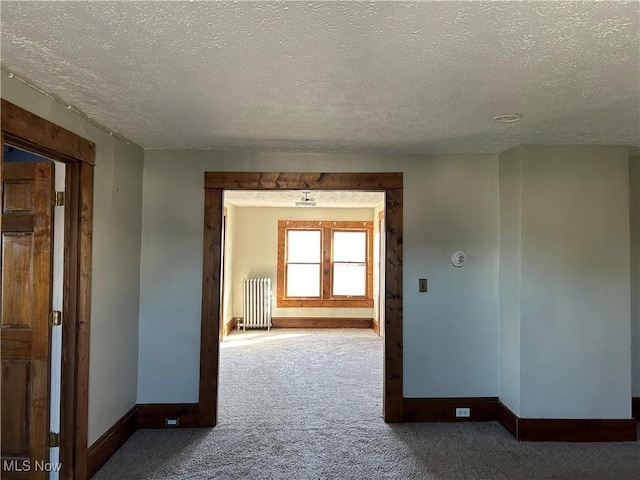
(507, 118)
(306, 201)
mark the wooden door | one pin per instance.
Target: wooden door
(27, 192)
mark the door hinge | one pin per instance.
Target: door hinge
(54, 440)
(56, 318)
(58, 199)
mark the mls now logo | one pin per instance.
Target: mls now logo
(28, 466)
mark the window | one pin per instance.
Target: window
(325, 264)
(304, 263)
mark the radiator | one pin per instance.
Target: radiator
(257, 303)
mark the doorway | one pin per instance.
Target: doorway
(215, 183)
(31, 133)
(29, 184)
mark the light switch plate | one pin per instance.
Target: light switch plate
(422, 285)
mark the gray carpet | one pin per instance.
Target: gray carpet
(307, 404)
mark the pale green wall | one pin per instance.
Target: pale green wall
(510, 225)
(450, 203)
(634, 224)
(256, 252)
(113, 366)
(575, 291)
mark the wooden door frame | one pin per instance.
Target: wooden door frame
(223, 266)
(25, 130)
(215, 183)
(381, 230)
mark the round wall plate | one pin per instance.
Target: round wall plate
(458, 258)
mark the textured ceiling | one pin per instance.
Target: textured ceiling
(405, 77)
(324, 198)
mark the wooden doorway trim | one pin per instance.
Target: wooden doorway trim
(25, 130)
(215, 185)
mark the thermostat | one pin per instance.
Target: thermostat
(458, 258)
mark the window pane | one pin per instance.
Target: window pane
(349, 279)
(303, 280)
(349, 246)
(303, 246)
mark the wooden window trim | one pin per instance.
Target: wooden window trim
(326, 283)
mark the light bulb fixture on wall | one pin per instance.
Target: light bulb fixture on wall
(306, 201)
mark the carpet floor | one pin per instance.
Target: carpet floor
(307, 404)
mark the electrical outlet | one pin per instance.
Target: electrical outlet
(463, 412)
(171, 422)
(422, 285)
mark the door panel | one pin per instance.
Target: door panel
(17, 252)
(25, 312)
(15, 378)
(17, 197)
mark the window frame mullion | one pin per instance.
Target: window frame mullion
(327, 274)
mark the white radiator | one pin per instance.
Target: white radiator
(257, 303)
